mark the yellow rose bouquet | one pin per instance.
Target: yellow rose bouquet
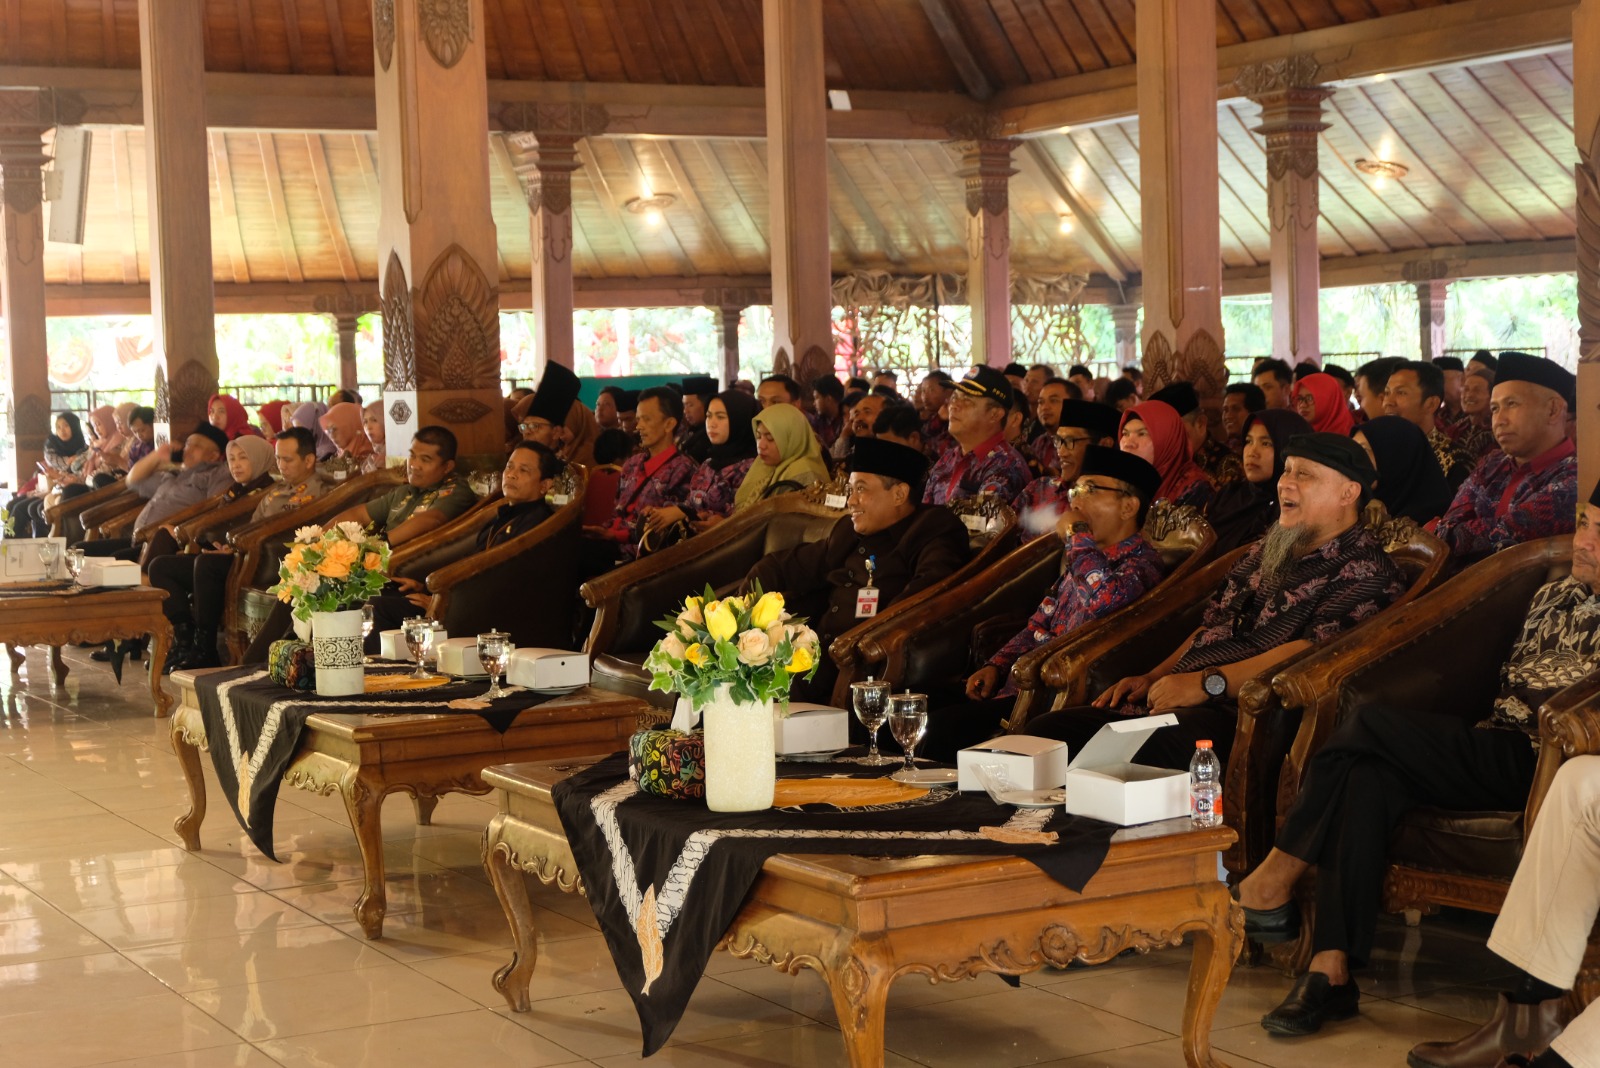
(749, 644)
(333, 569)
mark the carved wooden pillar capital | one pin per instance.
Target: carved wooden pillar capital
(986, 170)
(545, 137)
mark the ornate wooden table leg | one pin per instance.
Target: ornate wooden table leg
(424, 806)
(364, 802)
(512, 979)
(58, 666)
(160, 641)
(19, 656)
(859, 984)
(1215, 947)
(188, 751)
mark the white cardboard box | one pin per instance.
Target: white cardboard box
(459, 657)
(1102, 782)
(1030, 763)
(810, 728)
(548, 669)
(109, 571)
(19, 559)
(392, 643)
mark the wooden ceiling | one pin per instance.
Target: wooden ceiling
(1489, 147)
(872, 44)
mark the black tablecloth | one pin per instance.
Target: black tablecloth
(253, 728)
(666, 878)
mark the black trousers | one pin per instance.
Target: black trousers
(1168, 747)
(1381, 762)
(196, 586)
(389, 610)
(28, 515)
(961, 723)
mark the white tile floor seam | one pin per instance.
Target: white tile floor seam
(225, 959)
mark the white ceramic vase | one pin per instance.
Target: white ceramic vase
(336, 651)
(302, 628)
(741, 757)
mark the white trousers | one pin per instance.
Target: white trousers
(1550, 910)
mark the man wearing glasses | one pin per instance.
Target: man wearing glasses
(983, 462)
(1080, 425)
(1108, 564)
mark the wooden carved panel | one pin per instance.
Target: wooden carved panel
(1200, 362)
(446, 27)
(399, 330)
(457, 325)
(190, 387)
(383, 31)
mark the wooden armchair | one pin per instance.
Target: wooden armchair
(1443, 653)
(936, 643)
(1268, 723)
(260, 549)
(214, 523)
(112, 518)
(66, 517)
(628, 600)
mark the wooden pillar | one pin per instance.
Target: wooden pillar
(797, 168)
(1431, 296)
(728, 316)
(25, 115)
(178, 194)
(1291, 121)
(986, 169)
(346, 324)
(1125, 334)
(1182, 284)
(547, 137)
(1586, 128)
(436, 237)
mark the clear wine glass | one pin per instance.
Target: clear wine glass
(419, 643)
(75, 560)
(494, 652)
(366, 629)
(47, 556)
(871, 702)
(908, 722)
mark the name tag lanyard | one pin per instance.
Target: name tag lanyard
(867, 596)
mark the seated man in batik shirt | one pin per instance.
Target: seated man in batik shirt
(654, 477)
(982, 463)
(1081, 425)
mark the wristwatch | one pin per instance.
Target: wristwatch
(1215, 683)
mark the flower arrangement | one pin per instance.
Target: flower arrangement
(747, 643)
(332, 569)
(8, 524)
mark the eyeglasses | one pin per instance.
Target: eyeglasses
(1064, 442)
(534, 426)
(1089, 489)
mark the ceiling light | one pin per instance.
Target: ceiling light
(651, 207)
(1065, 130)
(1380, 77)
(1382, 168)
(1066, 223)
(652, 218)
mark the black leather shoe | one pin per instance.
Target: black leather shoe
(1270, 926)
(1312, 1002)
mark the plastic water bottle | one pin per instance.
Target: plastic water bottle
(1205, 786)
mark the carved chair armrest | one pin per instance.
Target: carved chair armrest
(58, 513)
(121, 524)
(217, 520)
(1569, 726)
(198, 510)
(442, 580)
(444, 535)
(94, 519)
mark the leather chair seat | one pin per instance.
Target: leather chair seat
(624, 673)
(1481, 844)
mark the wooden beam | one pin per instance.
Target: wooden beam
(1037, 166)
(691, 200)
(322, 176)
(231, 234)
(668, 236)
(1503, 259)
(858, 201)
(123, 168)
(1471, 31)
(955, 46)
(341, 57)
(612, 208)
(280, 207)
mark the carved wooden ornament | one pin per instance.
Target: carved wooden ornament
(446, 27)
(457, 324)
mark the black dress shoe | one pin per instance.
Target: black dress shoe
(1271, 926)
(1312, 1002)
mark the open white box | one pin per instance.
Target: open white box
(810, 728)
(1030, 763)
(1104, 783)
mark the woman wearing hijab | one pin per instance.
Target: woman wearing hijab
(731, 441)
(343, 422)
(66, 455)
(1319, 399)
(250, 461)
(108, 457)
(372, 423)
(1244, 509)
(1410, 481)
(309, 415)
(581, 431)
(272, 417)
(1153, 431)
(228, 415)
(788, 457)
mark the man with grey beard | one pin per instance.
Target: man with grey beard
(1317, 572)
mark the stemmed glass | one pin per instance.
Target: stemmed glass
(908, 722)
(419, 643)
(494, 651)
(75, 560)
(47, 557)
(871, 702)
(366, 629)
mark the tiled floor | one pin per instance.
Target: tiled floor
(117, 947)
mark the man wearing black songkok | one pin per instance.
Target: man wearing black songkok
(1385, 760)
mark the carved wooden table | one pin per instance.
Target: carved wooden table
(67, 618)
(861, 922)
(366, 757)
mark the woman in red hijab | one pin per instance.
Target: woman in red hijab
(1320, 400)
(272, 417)
(228, 415)
(1154, 431)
